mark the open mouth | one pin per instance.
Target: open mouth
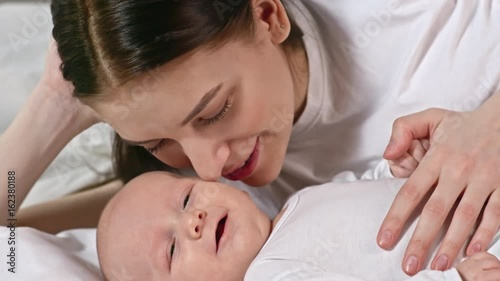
(220, 231)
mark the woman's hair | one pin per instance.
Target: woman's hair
(106, 43)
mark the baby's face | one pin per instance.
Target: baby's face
(163, 227)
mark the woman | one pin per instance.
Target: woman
(238, 89)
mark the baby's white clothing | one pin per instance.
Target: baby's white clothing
(373, 61)
(328, 232)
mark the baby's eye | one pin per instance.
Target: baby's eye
(186, 200)
(172, 250)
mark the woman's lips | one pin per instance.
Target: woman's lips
(248, 168)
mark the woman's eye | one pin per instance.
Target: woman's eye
(219, 115)
(157, 147)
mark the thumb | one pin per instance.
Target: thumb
(407, 128)
(400, 141)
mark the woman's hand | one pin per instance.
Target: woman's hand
(52, 85)
(480, 267)
(463, 160)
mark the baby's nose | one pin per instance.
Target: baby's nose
(196, 223)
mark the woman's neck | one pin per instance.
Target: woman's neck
(299, 67)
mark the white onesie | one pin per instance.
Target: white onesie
(328, 232)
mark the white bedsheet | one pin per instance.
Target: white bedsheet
(67, 256)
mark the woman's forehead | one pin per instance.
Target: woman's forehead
(199, 65)
(197, 70)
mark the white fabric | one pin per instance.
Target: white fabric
(67, 256)
(381, 171)
(84, 161)
(373, 61)
(328, 232)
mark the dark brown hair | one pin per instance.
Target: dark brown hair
(105, 43)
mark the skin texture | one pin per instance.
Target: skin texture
(405, 165)
(154, 107)
(461, 164)
(156, 210)
(480, 267)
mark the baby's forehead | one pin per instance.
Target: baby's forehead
(156, 183)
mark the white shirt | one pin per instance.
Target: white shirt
(328, 232)
(373, 61)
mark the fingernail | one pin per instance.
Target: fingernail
(411, 265)
(476, 248)
(442, 263)
(385, 239)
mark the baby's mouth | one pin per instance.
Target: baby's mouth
(219, 232)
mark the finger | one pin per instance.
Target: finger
(430, 222)
(488, 227)
(410, 127)
(399, 172)
(407, 162)
(463, 221)
(425, 143)
(417, 150)
(408, 197)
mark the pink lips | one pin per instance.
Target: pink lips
(221, 226)
(248, 168)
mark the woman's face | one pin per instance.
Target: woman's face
(226, 112)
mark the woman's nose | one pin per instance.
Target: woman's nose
(196, 223)
(208, 159)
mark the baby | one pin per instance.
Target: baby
(165, 227)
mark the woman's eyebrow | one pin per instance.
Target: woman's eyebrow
(205, 100)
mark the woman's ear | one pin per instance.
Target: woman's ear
(271, 16)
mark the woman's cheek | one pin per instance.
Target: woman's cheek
(174, 156)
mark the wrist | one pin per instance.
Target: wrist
(59, 110)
